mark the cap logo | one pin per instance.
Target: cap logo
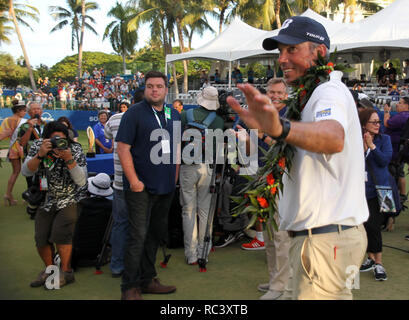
(286, 23)
(316, 36)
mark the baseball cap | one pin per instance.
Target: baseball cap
(296, 30)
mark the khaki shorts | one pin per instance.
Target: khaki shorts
(55, 226)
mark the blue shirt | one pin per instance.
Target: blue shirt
(378, 159)
(135, 130)
(99, 134)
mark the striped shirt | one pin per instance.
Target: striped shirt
(110, 130)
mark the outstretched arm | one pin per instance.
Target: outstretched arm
(325, 136)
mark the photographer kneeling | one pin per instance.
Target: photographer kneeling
(61, 165)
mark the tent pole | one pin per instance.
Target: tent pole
(229, 75)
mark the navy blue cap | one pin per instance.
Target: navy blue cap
(296, 30)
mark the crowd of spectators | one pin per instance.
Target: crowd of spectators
(93, 91)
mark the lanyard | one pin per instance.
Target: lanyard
(157, 118)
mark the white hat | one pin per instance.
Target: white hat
(209, 98)
(100, 185)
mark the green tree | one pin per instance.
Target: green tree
(66, 68)
(16, 14)
(75, 16)
(122, 41)
(11, 74)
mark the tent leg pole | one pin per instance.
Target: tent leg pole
(229, 75)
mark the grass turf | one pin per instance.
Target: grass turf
(232, 273)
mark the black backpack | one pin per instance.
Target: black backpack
(94, 214)
(201, 126)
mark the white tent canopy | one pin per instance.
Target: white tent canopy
(224, 46)
(381, 36)
(388, 28)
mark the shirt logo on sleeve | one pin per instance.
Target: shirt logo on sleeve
(323, 113)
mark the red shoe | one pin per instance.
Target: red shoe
(254, 244)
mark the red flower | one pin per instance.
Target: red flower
(273, 191)
(281, 162)
(263, 202)
(270, 179)
(330, 64)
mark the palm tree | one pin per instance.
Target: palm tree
(122, 41)
(15, 14)
(5, 31)
(75, 15)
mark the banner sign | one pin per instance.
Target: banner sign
(80, 119)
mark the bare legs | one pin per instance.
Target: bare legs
(16, 166)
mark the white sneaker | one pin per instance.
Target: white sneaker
(271, 295)
(264, 287)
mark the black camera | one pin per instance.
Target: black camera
(37, 116)
(59, 143)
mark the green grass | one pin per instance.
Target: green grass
(231, 274)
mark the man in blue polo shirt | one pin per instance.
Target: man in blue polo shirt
(148, 187)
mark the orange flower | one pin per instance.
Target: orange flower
(270, 179)
(273, 190)
(263, 202)
(281, 162)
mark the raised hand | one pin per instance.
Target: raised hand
(261, 114)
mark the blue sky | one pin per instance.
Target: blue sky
(48, 49)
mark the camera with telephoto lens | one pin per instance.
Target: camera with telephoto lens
(59, 143)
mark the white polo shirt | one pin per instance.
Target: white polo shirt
(327, 189)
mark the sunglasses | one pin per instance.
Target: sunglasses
(375, 122)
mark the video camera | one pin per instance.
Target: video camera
(225, 111)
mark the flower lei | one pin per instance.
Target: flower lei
(258, 197)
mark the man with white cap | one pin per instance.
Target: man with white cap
(322, 204)
(195, 178)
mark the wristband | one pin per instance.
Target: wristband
(286, 130)
(40, 158)
(264, 137)
(71, 161)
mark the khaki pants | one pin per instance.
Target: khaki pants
(277, 253)
(195, 198)
(322, 264)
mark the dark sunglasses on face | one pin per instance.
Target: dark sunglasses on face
(375, 122)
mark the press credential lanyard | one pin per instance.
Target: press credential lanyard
(165, 143)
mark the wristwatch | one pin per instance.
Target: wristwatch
(71, 161)
(286, 130)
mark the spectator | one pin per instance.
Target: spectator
(178, 105)
(72, 133)
(63, 171)
(148, 187)
(195, 178)
(392, 73)
(394, 127)
(217, 76)
(250, 75)
(29, 131)
(9, 128)
(380, 74)
(378, 153)
(119, 209)
(238, 76)
(103, 145)
(203, 78)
